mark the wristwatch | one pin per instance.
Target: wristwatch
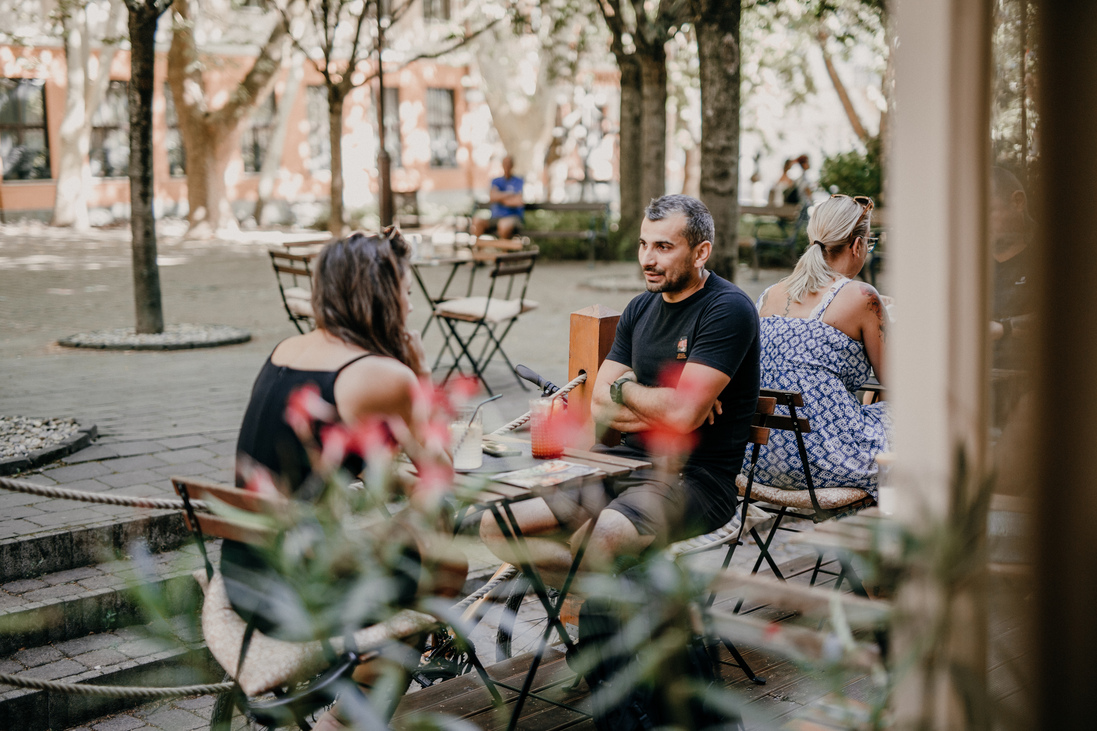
(615, 390)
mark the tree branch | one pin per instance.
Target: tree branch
(262, 72)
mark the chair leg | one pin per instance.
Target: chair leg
(742, 664)
(815, 572)
(465, 351)
(763, 547)
(503, 354)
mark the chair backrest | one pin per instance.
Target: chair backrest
(764, 418)
(513, 265)
(221, 526)
(294, 265)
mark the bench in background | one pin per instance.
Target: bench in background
(597, 229)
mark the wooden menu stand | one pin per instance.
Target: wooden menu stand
(592, 332)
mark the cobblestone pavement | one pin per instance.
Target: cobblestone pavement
(177, 413)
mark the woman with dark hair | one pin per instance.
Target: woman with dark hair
(360, 365)
(361, 357)
(823, 335)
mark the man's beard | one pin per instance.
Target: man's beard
(672, 281)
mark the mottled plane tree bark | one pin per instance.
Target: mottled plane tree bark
(717, 25)
(83, 25)
(143, 16)
(638, 43)
(210, 135)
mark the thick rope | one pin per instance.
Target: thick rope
(114, 691)
(7, 483)
(580, 379)
(486, 588)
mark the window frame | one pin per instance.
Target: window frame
(19, 129)
(436, 128)
(319, 129)
(104, 148)
(257, 135)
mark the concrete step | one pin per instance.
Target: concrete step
(50, 551)
(75, 602)
(130, 656)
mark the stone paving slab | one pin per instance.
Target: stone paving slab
(73, 603)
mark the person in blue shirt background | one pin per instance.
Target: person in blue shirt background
(507, 209)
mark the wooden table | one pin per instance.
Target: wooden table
(478, 490)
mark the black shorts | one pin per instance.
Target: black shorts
(670, 507)
(493, 224)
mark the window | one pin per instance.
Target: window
(319, 129)
(23, 145)
(257, 134)
(442, 128)
(110, 133)
(436, 9)
(177, 156)
(393, 144)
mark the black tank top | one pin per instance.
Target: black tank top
(254, 590)
(266, 438)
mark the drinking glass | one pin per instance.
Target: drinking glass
(466, 434)
(545, 428)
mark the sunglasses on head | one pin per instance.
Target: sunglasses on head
(867, 205)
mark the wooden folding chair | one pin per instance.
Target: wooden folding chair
(294, 275)
(302, 676)
(818, 504)
(492, 315)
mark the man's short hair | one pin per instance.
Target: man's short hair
(699, 226)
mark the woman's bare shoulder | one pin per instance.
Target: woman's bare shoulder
(860, 298)
(773, 294)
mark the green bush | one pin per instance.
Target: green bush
(855, 172)
(568, 248)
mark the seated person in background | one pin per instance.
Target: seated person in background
(804, 185)
(365, 364)
(823, 335)
(683, 368)
(784, 191)
(507, 208)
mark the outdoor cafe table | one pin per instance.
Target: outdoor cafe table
(479, 491)
(454, 257)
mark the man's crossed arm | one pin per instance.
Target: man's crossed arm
(681, 408)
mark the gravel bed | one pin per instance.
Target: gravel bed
(174, 337)
(21, 435)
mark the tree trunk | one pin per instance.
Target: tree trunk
(653, 128)
(840, 88)
(718, 53)
(209, 135)
(146, 276)
(630, 150)
(336, 95)
(70, 207)
(83, 92)
(272, 160)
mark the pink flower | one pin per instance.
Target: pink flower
(336, 441)
(304, 406)
(372, 438)
(258, 479)
(463, 389)
(434, 477)
(663, 441)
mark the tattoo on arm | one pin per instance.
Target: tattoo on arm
(876, 307)
(788, 303)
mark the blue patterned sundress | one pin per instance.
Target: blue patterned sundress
(826, 366)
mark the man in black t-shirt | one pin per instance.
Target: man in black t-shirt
(682, 375)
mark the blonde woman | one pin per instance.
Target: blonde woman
(823, 335)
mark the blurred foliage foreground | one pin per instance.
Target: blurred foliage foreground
(351, 556)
